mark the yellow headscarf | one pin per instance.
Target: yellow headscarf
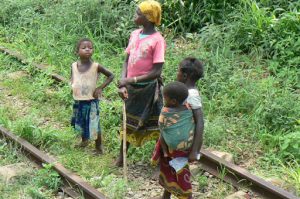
(152, 11)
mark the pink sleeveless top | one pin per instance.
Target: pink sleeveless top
(84, 83)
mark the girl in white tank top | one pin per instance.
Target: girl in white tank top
(85, 73)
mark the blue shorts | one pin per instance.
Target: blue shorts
(86, 119)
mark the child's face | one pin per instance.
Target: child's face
(181, 77)
(140, 18)
(168, 102)
(85, 49)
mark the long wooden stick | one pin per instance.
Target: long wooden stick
(124, 143)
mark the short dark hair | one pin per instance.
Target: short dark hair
(79, 42)
(176, 90)
(193, 67)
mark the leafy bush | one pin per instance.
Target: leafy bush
(191, 15)
(253, 28)
(286, 145)
(48, 178)
(280, 6)
(279, 112)
(53, 33)
(283, 40)
(35, 135)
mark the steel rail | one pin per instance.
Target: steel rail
(40, 157)
(240, 177)
(23, 60)
(233, 174)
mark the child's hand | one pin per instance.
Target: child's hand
(193, 156)
(123, 93)
(165, 154)
(97, 93)
(123, 82)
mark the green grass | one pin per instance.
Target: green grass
(49, 130)
(250, 91)
(59, 140)
(32, 183)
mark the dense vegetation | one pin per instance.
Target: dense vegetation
(251, 91)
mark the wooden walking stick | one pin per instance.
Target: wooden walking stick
(124, 143)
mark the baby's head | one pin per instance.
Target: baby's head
(175, 94)
(190, 69)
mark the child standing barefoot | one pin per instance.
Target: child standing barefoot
(85, 73)
(189, 72)
(173, 149)
(140, 81)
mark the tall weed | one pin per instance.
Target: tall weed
(191, 15)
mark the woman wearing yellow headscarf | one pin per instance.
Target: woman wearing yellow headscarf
(151, 10)
(140, 81)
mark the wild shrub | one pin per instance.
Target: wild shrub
(35, 135)
(191, 15)
(251, 28)
(251, 25)
(283, 44)
(280, 6)
(48, 178)
(277, 120)
(279, 112)
(286, 146)
(53, 33)
(292, 175)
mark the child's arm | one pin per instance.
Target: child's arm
(164, 146)
(122, 89)
(71, 79)
(198, 135)
(109, 77)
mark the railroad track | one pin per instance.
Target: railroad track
(233, 174)
(70, 179)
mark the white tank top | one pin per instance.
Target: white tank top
(84, 83)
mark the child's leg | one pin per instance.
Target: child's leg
(166, 195)
(98, 144)
(164, 146)
(84, 142)
(84, 138)
(85, 127)
(81, 125)
(119, 161)
(74, 114)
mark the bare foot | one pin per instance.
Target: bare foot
(166, 195)
(155, 174)
(98, 152)
(98, 148)
(82, 144)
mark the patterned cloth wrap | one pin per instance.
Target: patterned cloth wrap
(85, 119)
(142, 111)
(177, 129)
